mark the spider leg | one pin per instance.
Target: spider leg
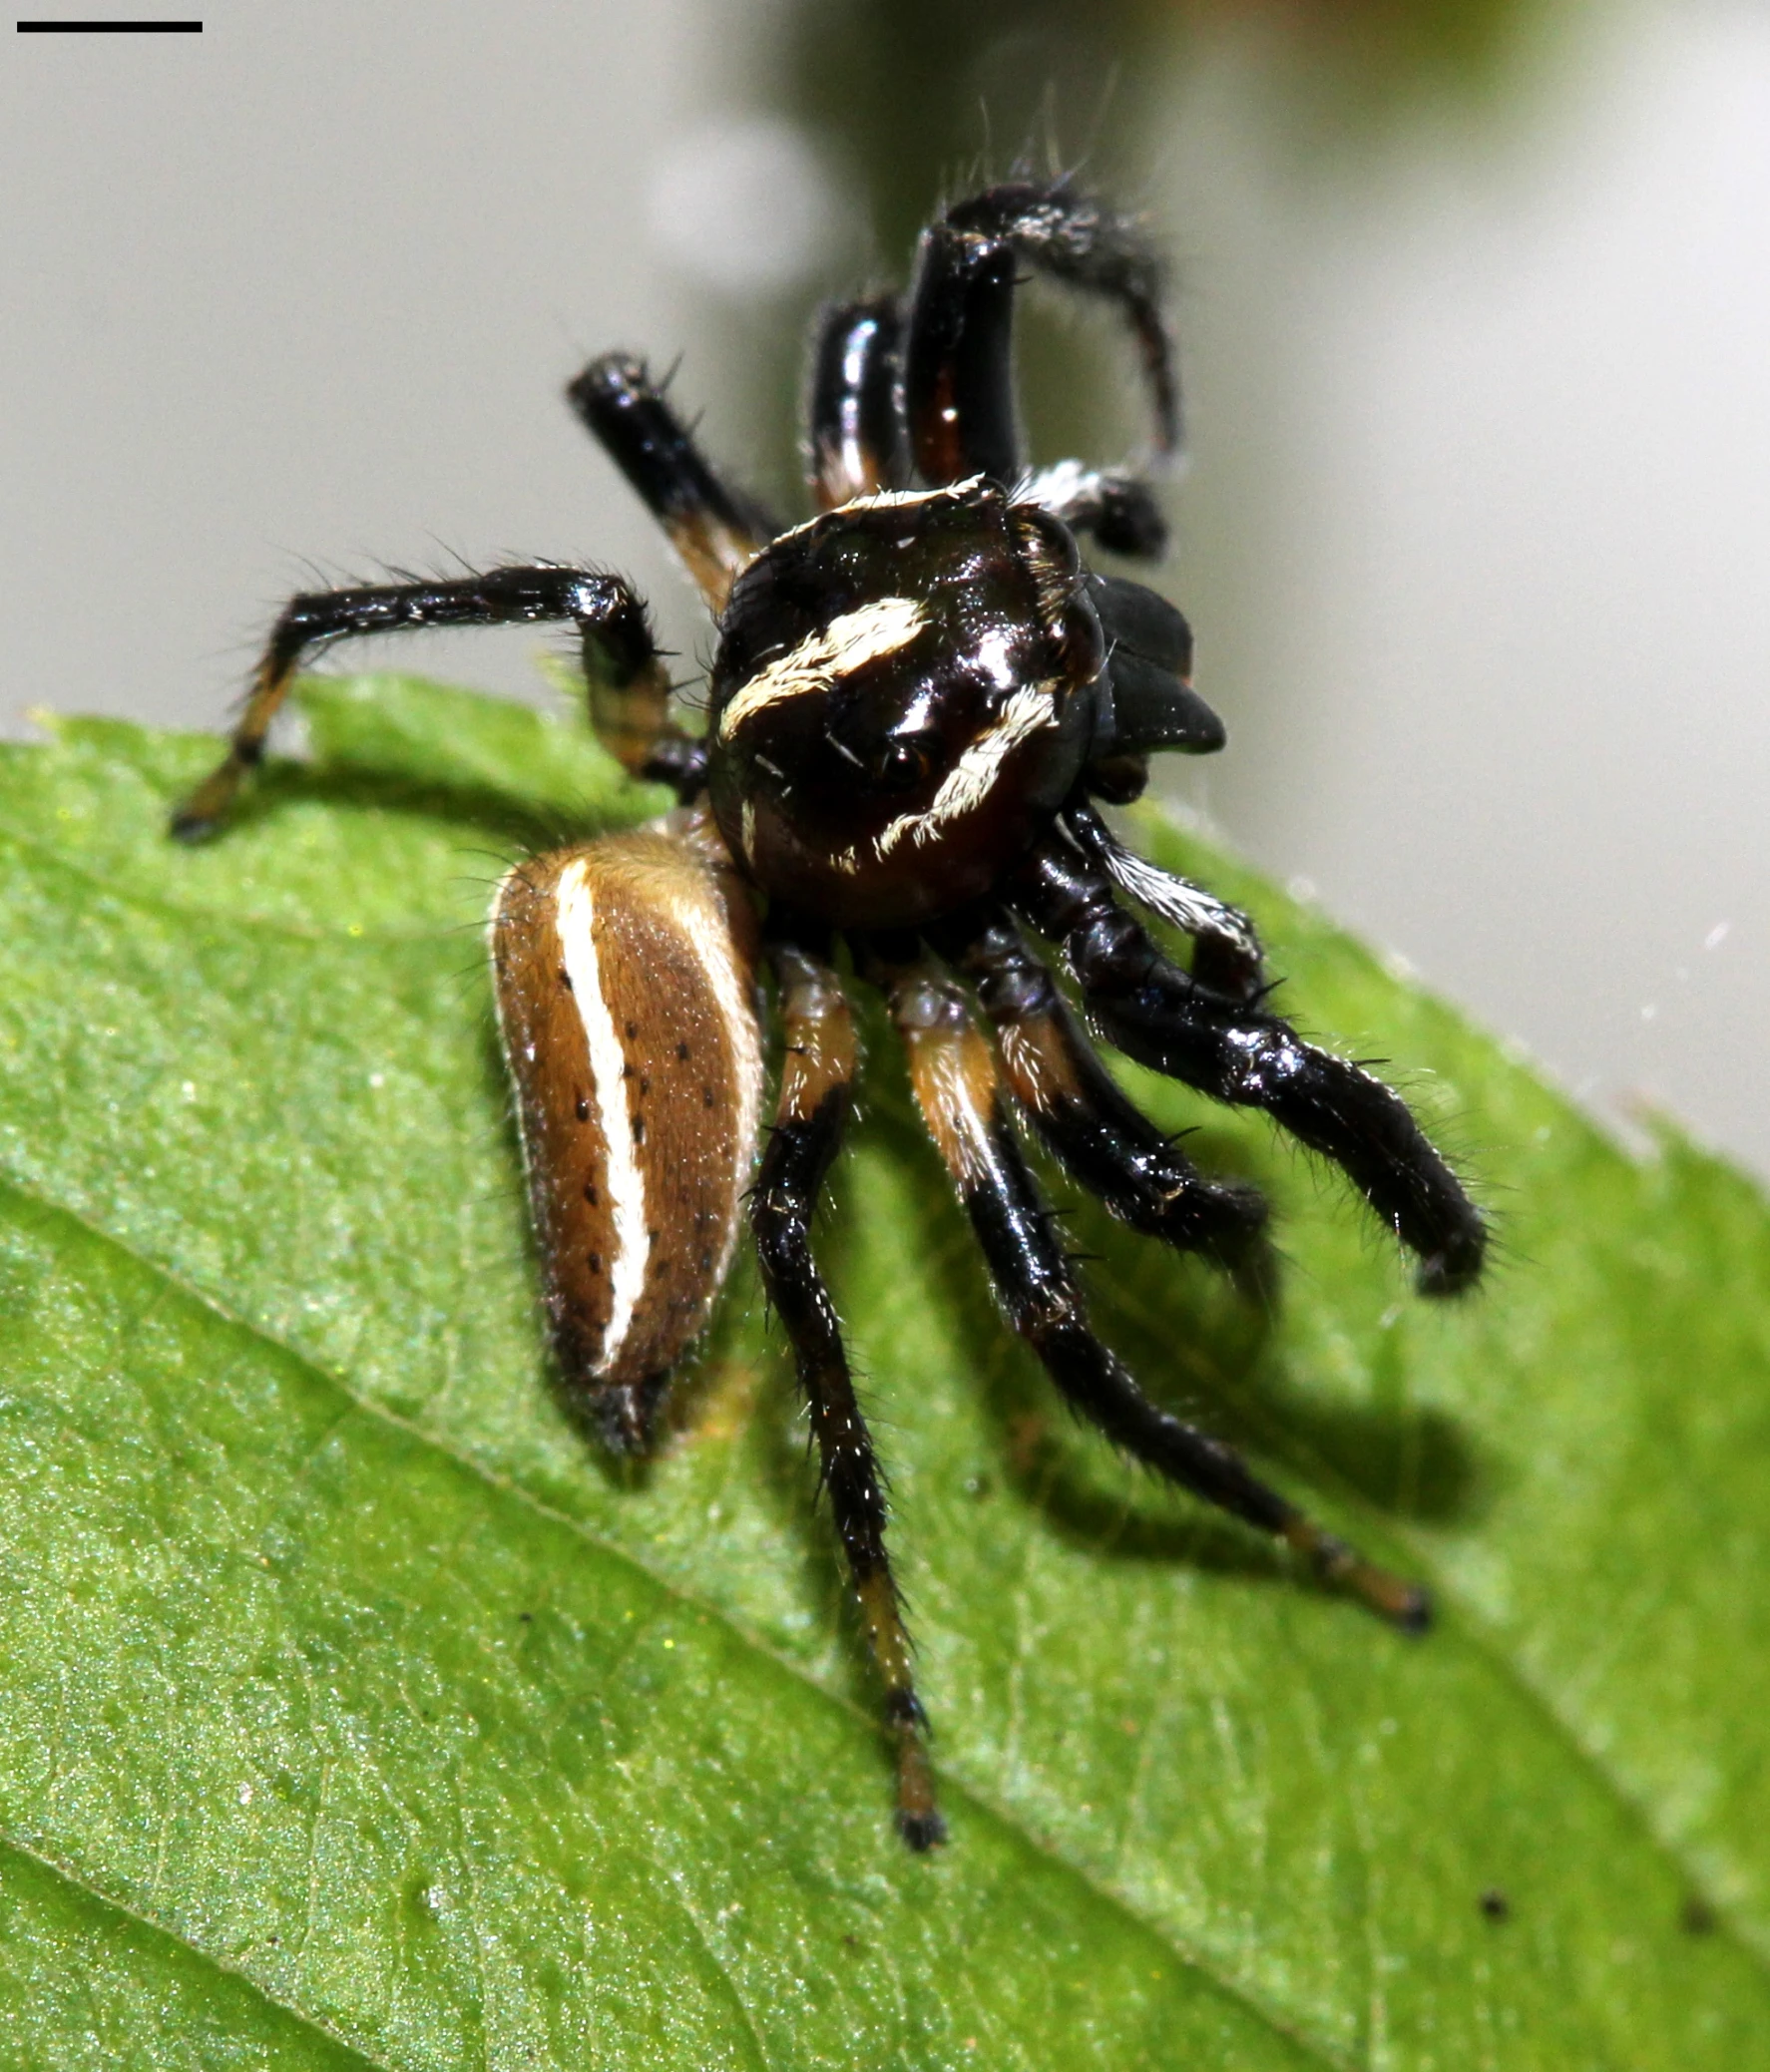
(814, 1098)
(716, 529)
(954, 1075)
(1118, 509)
(1227, 952)
(1085, 1119)
(630, 691)
(1237, 1052)
(958, 374)
(855, 423)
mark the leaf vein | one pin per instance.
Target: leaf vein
(159, 1928)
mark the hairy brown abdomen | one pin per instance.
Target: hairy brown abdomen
(626, 1000)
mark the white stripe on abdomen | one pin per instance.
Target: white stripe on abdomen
(574, 918)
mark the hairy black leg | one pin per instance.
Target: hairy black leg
(954, 1075)
(1227, 954)
(958, 373)
(1085, 1119)
(716, 529)
(629, 690)
(1239, 1053)
(816, 1080)
(855, 423)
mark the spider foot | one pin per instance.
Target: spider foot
(203, 811)
(1404, 1604)
(919, 1818)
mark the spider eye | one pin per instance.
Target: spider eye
(904, 762)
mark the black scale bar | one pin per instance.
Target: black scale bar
(110, 27)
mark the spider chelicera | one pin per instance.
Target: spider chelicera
(917, 698)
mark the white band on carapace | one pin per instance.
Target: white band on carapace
(967, 783)
(848, 642)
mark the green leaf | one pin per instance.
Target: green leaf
(352, 1711)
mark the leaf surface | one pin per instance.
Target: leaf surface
(354, 1711)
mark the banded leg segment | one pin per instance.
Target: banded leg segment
(630, 692)
(958, 373)
(714, 529)
(816, 1094)
(1086, 1119)
(1238, 1053)
(959, 1099)
(857, 441)
(954, 1075)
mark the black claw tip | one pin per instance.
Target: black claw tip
(1444, 1275)
(922, 1830)
(1414, 1615)
(1456, 1264)
(191, 827)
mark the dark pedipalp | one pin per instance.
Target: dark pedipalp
(1117, 509)
(1147, 701)
(1226, 955)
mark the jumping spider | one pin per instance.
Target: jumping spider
(917, 698)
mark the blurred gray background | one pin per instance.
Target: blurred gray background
(1473, 301)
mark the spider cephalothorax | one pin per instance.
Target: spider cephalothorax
(904, 694)
(917, 696)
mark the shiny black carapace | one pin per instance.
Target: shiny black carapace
(919, 695)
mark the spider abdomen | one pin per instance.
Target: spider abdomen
(626, 1002)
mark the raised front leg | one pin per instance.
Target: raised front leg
(815, 1092)
(630, 692)
(958, 373)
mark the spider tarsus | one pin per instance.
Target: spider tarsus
(922, 1830)
(1405, 1606)
(919, 1818)
(1253, 1270)
(201, 813)
(1456, 1269)
(1417, 1615)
